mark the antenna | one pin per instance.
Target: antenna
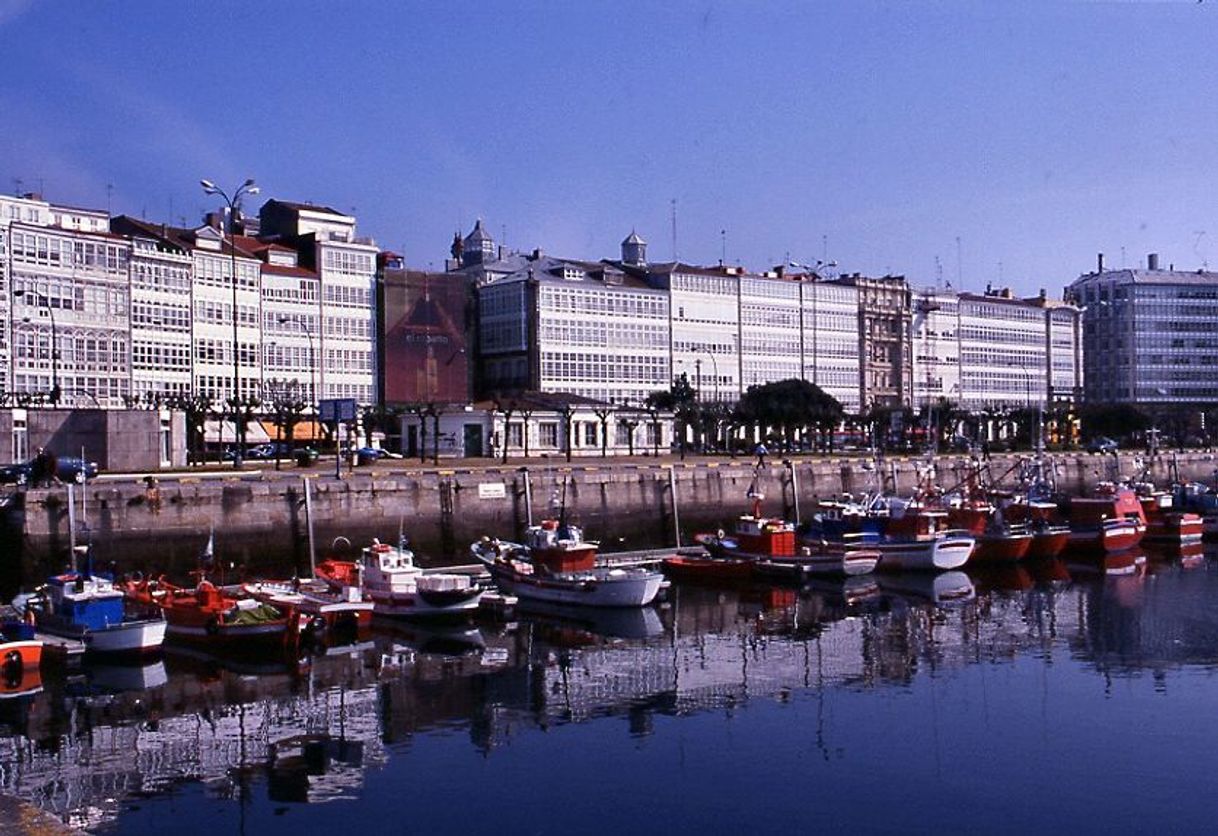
(938, 272)
(959, 265)
(723, 246)
(824, 248)
(109, 195)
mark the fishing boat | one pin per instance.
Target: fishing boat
(707, 568)
(555, 564)
(20, 654)
(1110, 521)
(341, 608)
(397, 587)
(207, 615)
(1167, 526)
(87, 607)
(779, 551)
(915, 537)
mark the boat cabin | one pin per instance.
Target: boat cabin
(1109, 503)
(84, 601)
(560, 547)
(765, 536)
(384, 558)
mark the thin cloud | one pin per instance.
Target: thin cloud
(10, 10)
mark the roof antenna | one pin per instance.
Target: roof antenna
(722, 247)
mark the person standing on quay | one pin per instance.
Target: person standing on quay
(761, 452)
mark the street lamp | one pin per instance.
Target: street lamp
(44, 302)
(246, 188)
(284, 320)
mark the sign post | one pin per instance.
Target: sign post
(336, 412)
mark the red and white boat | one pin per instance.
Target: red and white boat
(780, 552)
(1167, 527)
(1111, 521)
(206, 614)
(390, 580)
(922, 539)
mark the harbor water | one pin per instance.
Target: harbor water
(1053, 696)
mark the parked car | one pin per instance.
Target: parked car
(67, 469)
(1101, 444)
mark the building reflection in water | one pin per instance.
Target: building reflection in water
(309, 731)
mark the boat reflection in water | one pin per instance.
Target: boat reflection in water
(239, 742)
(944, 588)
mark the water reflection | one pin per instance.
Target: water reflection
(93, 746)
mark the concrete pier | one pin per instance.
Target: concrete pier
(260, 515)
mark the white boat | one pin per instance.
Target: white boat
(89, 609)
(396, 587)
(945, 551)
(556, 565)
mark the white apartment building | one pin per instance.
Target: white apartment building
(66, 298)
(830, 315)
(771, 329)
(345, 264)
(291, 322)
(994, 350)
(586, 328)
(704, 317)
(162, 274)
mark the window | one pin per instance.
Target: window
(515, 434)
(547, 434)
(590, 434)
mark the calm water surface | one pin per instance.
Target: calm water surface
(1061, 697)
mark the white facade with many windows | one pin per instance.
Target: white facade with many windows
(66, 305)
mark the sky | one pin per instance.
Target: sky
(963, 142)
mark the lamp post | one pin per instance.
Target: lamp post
(1027, 383)
(44, 302)
(284, 320)
(246, 188)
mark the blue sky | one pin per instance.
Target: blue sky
(879, 133)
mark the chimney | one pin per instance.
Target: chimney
(1099, 261)
(1152, 261)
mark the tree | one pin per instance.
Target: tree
(1115, 420)
(788, 407)
(682, 401)
(287, 405)
(602, 414)
(508, 405)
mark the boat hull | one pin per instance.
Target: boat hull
(1002, 548)
(17, 657)
(420, 605)
(597, 588)
(1048, 544)
(142, 637)
(936, 554)
(1112, 537)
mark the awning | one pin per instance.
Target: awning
(225, 432)
(304, 431)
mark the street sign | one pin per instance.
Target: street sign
(336, 410)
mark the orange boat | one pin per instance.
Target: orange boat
(205, 614)
(20, 658)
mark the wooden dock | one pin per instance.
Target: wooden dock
(59, 649)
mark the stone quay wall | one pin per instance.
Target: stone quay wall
(260, 516)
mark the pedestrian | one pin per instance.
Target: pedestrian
(38, 469)
(761, 452)
(52, 468)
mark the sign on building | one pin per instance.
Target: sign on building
(337, 410)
